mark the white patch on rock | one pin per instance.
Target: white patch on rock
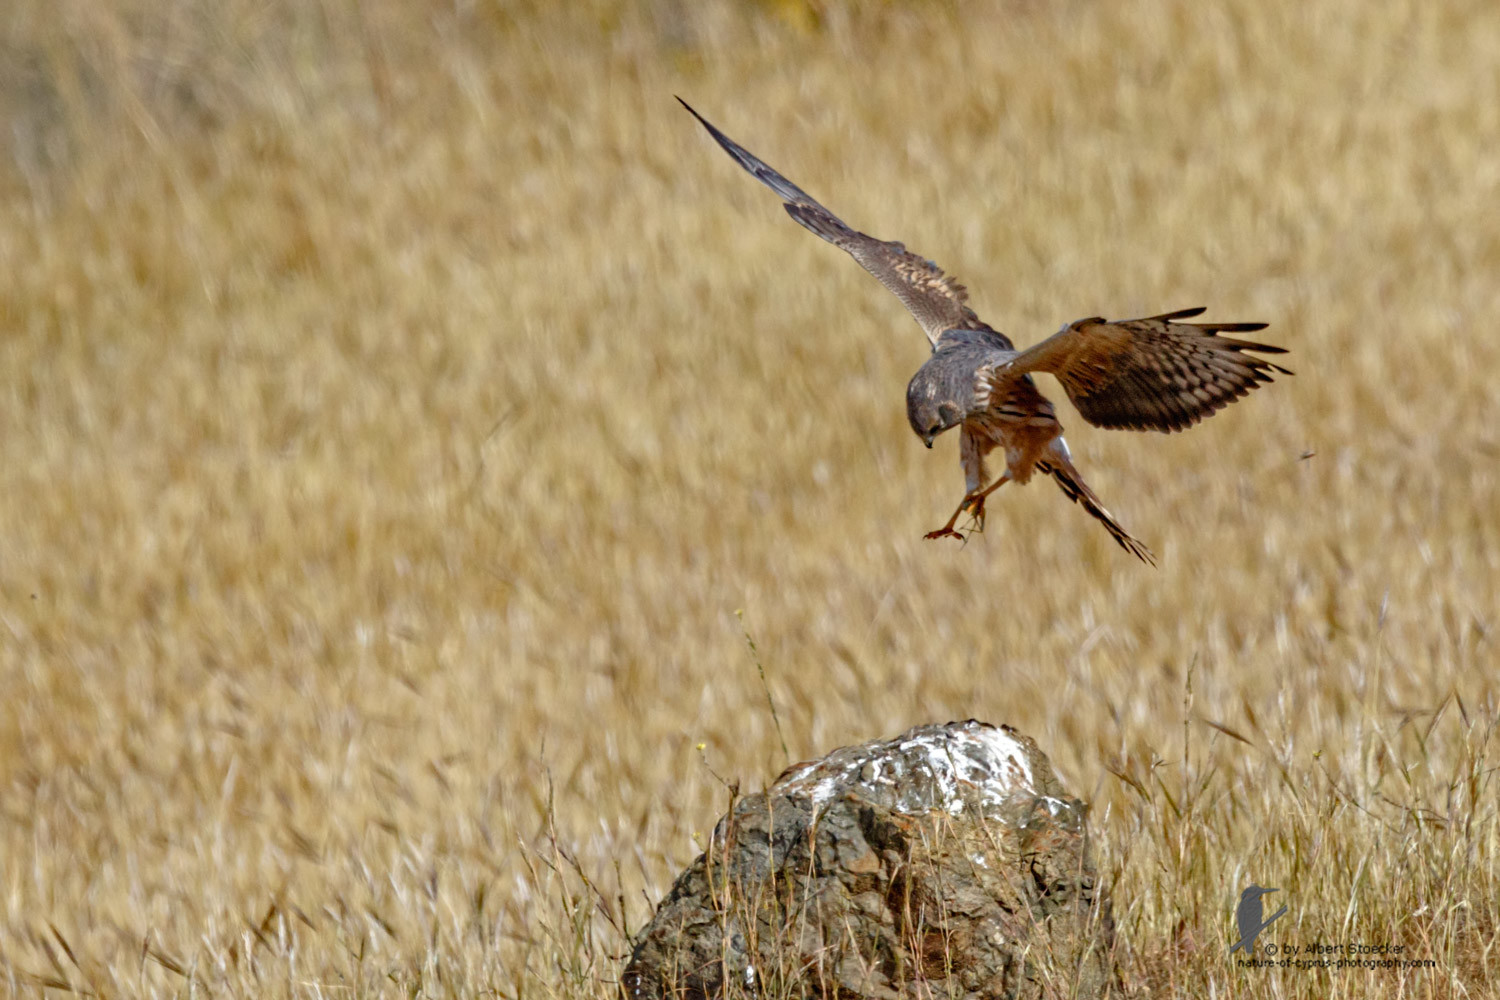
(933, 768)
(1055, 806)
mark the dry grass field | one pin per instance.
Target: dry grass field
(400, 398)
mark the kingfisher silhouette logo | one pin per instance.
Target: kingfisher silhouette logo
(1305, 953)
(1248, 917)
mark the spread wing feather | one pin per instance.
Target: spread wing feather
(936, 300)
(1153, 373)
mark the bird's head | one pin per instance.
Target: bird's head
(1255, 892)
(930, 416)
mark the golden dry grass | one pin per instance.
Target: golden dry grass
(400, 398)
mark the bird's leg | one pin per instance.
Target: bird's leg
(973, 502)
(992, 487)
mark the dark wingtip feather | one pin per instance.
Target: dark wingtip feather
(720, 136)
(1181, 313)
(1229, 327)
(1248, 345)
(754, 165)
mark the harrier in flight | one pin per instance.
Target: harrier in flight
(1157, 373)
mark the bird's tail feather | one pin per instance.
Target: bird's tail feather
(1075, 489)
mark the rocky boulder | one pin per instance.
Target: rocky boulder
(947, 862)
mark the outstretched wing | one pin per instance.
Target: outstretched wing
(1150, 374)
(936, 300)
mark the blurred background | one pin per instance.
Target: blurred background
(411, 418)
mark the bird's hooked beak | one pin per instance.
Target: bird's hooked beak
(927, 440)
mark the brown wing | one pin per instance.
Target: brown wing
(1153, 373)
(935, 299)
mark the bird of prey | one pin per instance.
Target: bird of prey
(1157, 373)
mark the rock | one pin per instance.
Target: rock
(947, 862)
